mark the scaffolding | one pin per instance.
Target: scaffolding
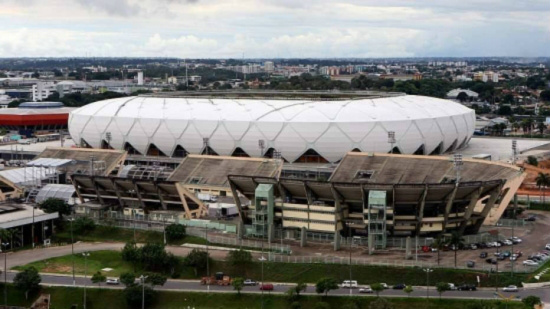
(377, 217)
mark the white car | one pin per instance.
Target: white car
(112, 281)
(530, 263)
(510, 288)
(508, 242)
(365, 289)
(516, 240)
(385, 286)
(452, 286)
(349, 284)
(250, 282)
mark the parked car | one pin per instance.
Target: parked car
(501, 257)
(483, 255)
(481, 245)
(519, 253)
(472, 246)
(530, 263)
(547, 247)
(349, 284)
(366, 289)
(399, 286)
(531, 218)
(266, 287)
(491, 261)
(250, 282)
(500, 243)
(506, 253)
(452, 286)
(514, 257)
(507, 242)
(467, 287)
(516, 240)
(510, 288)
(112, 281)
(471, 264)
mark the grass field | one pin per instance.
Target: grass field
(285, 272)
(115, 234)
(64, 297)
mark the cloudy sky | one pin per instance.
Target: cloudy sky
(274, 28)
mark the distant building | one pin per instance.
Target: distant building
(140, 78)
(453, 94)
(269, 66)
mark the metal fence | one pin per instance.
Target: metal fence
(518, 268)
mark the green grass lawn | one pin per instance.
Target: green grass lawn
(284, 272)
(64, 297)
(115, 234)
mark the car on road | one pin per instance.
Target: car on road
(510, 288)
(452, 286)
(483, 255)
(349, 284)
(266, 287)
(399, 286)
(384, 285)
(112, 281)
(491, 261)
(366, 289)
(467, 287)
(530, 263)
(250, 282)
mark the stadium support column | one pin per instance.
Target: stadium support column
(468, 214)
(336, 240)
(408, 248)
(271, 232)
(303, 237)
(240, 230)
(488, 206)
(371, 244)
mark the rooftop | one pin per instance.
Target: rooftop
(277, 94)
(13, 215)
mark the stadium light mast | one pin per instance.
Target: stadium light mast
(205, 144)
(514, 151)
(261, 144)
(457, 161)
(108, 137)
(391, 140)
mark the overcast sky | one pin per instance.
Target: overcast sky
(274, 28)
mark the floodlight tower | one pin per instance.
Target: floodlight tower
(261, 144)
(205, 144)
(457, 161)
(391, 140)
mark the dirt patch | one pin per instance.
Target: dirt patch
(54, 268)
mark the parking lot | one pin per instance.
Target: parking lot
(534, 236)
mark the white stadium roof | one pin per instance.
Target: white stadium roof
(330, 127)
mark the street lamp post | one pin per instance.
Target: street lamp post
(428, 271)
(33, 207)
(72, 249)
(350, 276)
(207, 258)
(261, 144)
(5, 246)
(142, 280)
(86, 255)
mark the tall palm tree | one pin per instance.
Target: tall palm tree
(456, 241)
(542, 180)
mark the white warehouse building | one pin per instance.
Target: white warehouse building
(300, 129)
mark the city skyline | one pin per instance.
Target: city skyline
(274, 29)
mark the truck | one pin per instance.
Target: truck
(219, 279)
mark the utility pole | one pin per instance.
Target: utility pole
(142, 281)
(207, 259)
(72, 248)
(350, 276)
(86, 255)
(5, 246)
(428, 271)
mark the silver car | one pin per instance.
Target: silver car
(510, 288)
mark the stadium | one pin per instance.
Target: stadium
(303, 128)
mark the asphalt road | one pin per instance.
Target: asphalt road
(194, 286)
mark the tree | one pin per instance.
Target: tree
(541, 127)
(239, 258)
(325, 285)
(51, 205)
(197, 259)
(531, 301)
(438, 244)
(155, 279)
(131, 253)
(98, 278)
(456, 241)
(175, 232)
(408, 289)
(462, 97)
(133, 295)
(532, 160)
(545, 95)
(153, 256)
(441, 288)
(381, 303)
(238, 284)
(128, 279)
(299, 288)
(28, 280)
(83, 225)
(377, 288)
(542, 180)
